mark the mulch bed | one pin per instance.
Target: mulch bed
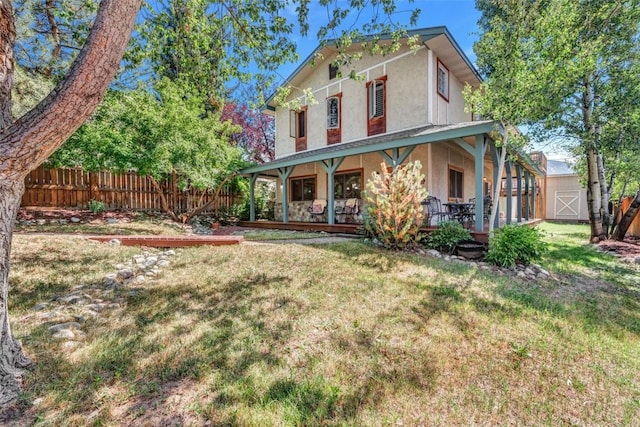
(628, 250)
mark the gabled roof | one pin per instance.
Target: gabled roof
(435, 38)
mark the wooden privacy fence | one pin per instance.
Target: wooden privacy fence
(75, 188)
(634, 228)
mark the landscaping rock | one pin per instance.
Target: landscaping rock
(64, 334)
(63, 326)
(75, 220)
(96, 306)
(150, 261)
(124, 274)
(74, 299)
(115, 242)
(69, 345)
(434, 253)
(40, 307)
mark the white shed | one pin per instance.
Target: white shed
(566, 197)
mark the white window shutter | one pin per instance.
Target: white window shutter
(293, 133)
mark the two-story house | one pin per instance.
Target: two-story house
(405, 106)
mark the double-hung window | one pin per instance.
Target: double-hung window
(456, 183)
(376, 106)
(298, 127)
(334, 126)
(443, 81)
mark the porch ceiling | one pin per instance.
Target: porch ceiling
(427, 134)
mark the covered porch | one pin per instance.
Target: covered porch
(473, 142)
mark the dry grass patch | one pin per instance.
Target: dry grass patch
(343, 334)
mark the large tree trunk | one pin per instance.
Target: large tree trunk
(25, 144)
(7, 37)
(496, 190)
(12, 360)
(627, 219)
(594, 200)
(594, 188)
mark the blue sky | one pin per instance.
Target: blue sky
(459, 16)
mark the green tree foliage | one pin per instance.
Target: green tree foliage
(394, 209)
(28, 90)
(552, 62)
(50, 33)
(156, 134)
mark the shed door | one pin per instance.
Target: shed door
(567, 204)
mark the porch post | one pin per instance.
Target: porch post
(285, 173)
(533, 196)
(495, 158)
(527, 194)
(519, 191)
(479, 172)
(252, 197)
(509, 191)
(330, 166)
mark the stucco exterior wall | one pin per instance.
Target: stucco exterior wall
(407, 99)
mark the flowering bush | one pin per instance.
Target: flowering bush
(394, 212)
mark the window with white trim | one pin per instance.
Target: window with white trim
(298, 127)
(376, 100)
(443, 81)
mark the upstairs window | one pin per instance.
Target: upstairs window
(334, 107)
(456, 183)
(298, 128)
(333, 71)
(443, 81)
(376, 100)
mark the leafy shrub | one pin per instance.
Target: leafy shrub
(394, 213)
(96, 206)
(446, 236)
(514, 243)
(264, 194)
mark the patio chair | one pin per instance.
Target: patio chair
(434, 210)
(486, 206)
(486, 211)
(347, 211)
(351, 209)
(318, 209)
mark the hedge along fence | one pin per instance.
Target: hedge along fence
(75, 188)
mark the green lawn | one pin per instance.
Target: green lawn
(342, 334)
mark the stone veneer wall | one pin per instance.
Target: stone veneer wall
(299, 211)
